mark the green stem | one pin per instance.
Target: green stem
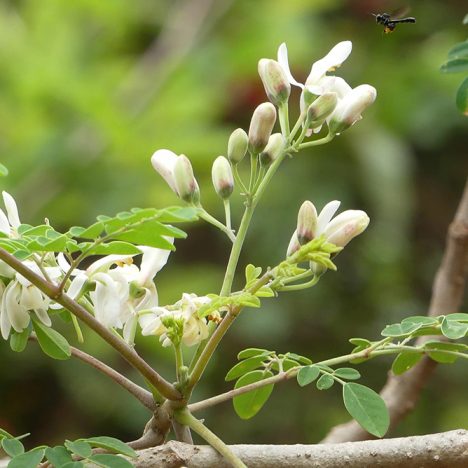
(227, 211)
(179, 359)
(297, 126)
(76, 326)
(186, 418)
(210, 219)
(321, 141)
(239, 180)
(283, 111)
(298, 287)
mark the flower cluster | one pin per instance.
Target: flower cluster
(178, 323)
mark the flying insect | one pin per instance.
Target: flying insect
(390, 23)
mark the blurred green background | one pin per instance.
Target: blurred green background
(89, 90)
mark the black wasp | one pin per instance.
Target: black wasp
(390, 23)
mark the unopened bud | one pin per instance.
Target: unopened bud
(349, 109)
(306, 222)
(293, 246)
(261, 125)
(274, 80)
(223, 180)
(163, 161)
(320, 109)
(237, 146)
(187, 186)
(276, 144)
(346, 226)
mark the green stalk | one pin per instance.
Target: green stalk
(187, 419)
(210, 219)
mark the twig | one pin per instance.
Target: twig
(142, 395)
(447, 449)
(401, 393)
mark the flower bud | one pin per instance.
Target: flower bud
(274, 80)
(306, 222)
(320, 109)
(163, 162)
(293, 246)
(261, 125)
(185, 182)
(349, 109)
(346, 226)
(237, 146)
(223, 181)
(276, 144)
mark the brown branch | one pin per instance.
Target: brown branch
(401, 393)
(163, 386)
(448, 449)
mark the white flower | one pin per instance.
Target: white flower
(318, 82)
(10, 222)
(164, 161)
(21, 297)
(185, 311)
(339, 231)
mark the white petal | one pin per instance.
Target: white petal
(346, 226)
(18, 316)
(5, 325)
(147, 320)
(129, 330)
(76, 285)
(105, 297)
(337, 55)
(43, 316)
(163, 161)
(4, 224)
(6, 270)
(326, 215)
(283, 61)
(12, 210)
(152, 262)
(104, 263)
(63, 262)
(334, 84)
(294, 245)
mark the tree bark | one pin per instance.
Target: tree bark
(447, 449)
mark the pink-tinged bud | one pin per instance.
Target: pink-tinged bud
(320, 109)
(306, 222)
(274, 80)
(293, 246)
(223, 181)
(261, 125)
(186, 184)
(346, 226)
(276, 144)
(237, 146)
(349, 109)
(163, 162)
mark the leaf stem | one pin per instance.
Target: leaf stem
(210, 219)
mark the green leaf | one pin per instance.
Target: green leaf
(3, 170)
(79, 447)
(285, 363)
(251, 352)
(347, 373)
(51, 342)
(58, 455)
(249, 404)
(436, 350)
(27, 460)
(422, 319)
(299, 358)
(245, 366)
(456, 65)
(18, 341)
(114, 247)
(248, 300)
(361, 342)
(44, 244)
(465, 19)
(401, 329)
(459, 317)
(12, 447)
(265, 291)
(459, 50)
(307, 375)
(112, 445)
(92, 232)
(367, 408)
(4, 433)
(252, 273)
(405, 361)
(111, 461)
(452, 329)
(325, 382)
(462, 97)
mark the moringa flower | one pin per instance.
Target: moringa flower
(9, 222)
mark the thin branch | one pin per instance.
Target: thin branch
(163, 386)
(447, 449)
(142, 395)
(401, 393)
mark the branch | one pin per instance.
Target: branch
(401, 393)
(164, 387)
(447, 449)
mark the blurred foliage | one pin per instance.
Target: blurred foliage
(88, 90)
